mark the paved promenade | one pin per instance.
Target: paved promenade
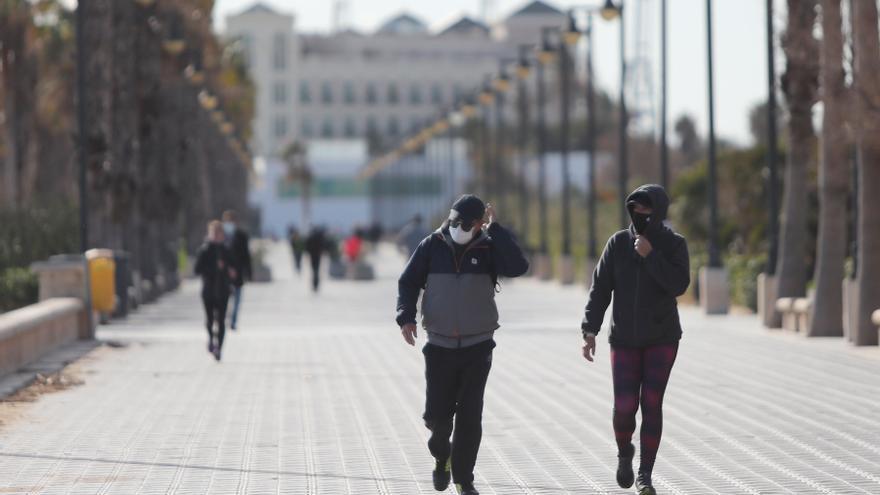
(319, 395)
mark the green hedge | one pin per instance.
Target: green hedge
(32, 234)
(18, 288)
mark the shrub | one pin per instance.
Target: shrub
(743, 274)
(18, 288)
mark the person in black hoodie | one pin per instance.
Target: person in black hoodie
(645, 267)
(238, 243)
(214, 264)
(458, 268)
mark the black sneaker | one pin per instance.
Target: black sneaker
(441, 475)
(644, 485)
(466, 489)
(211, 347)
(625, 476)
(217, 353)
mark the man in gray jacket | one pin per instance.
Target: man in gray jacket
(458, 268)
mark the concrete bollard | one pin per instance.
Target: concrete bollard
(802, 309)
(543, 267)
(714, 292)
(589, 268)
(785, 306)
(566, 270)
(767, 295)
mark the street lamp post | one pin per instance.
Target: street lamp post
(543, 268)
(592, 254)
(501, 85)
(713, 278)
(522, 74)
(623, 172)
(567, 39)
(486, 99)
(714, 259)
(772, 145)
(664, 147)
(609, 12)
(81, 126)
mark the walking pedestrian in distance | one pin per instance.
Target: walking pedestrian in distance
(645, 268)
(458, 268)
(214, 265)
(238, 242)
(411, 235)
(297, 246)
(316, 244)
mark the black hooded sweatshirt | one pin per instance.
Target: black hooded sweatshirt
(645, 311)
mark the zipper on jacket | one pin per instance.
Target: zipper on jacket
(636, 303)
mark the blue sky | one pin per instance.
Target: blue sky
(740, 58)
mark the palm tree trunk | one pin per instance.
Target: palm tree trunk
(867, 101)
(800, 85)
(827, 318)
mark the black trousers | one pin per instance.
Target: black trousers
(316, 270)
(215, 311)
(456, 380)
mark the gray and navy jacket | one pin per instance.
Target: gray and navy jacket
(645, 311)
(458, 306)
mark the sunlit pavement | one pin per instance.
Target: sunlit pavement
(319, 394)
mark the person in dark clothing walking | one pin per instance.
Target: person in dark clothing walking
(458, 268)
(316, 244)
(238, 243)
(214, 265)
(297, 246)
(645, 267)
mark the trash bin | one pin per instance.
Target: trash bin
(102, 275)
(123, 282)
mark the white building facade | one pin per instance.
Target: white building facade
(354, 91)
(351, 85)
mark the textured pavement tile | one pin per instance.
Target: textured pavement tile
(317, 394)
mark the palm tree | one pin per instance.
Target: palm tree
(800, 86)
(299, 172)
(827, 318)
(17, 78)
(866, 80)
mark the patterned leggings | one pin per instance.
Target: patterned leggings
(640, 377)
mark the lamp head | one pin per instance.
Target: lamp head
(571, 35)
(609, 11)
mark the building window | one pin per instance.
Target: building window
(327, 128)
(349, 93)
(372, 94)
(393, 95)
(415, 94)
(305, 95)
(437, 94)
(414, 124)
(327, 92)
(247, 49)
(279, 93)
(350, 128)
(457, 91)
(393, 126)
(279, 51)
(280, 127)
(306, 129)
(372, 126)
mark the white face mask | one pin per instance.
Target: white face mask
(460, 236)
(228, 228)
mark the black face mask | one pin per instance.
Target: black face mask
(641, 221)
